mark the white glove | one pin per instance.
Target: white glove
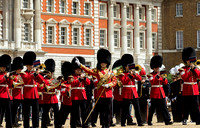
(77, 62)
(105, 85)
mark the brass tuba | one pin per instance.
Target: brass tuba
(54, 83)
(118, 71)
(138, 68)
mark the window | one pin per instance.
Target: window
(128, 12)
(102, 37)
(49, 6)
(154, 38)
(75, 36)
(75, 8)
(116, 38)
(153, 14)
(116, 11)
(141, 40)
(25, 3)
(62, 6)
(179, 39)
(128, 39)
(198, 38)
(26, 32)
(102, 10)
(141, 13)
(87, 37)
(87, 9)
(63, 35)
(50, 34)
(198, 8)
(179, 9)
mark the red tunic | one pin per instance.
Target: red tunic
(17, 92)
(190, 86)
(5, 85)
(66, 99)
(129, 90)
(99, 74)
(50, 96)
(157, 91)
(30, 85)
(78, 88)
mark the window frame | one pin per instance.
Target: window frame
(51, 22)
(104, 11)
(51, 35)
(180, 40)
(177, 11)
(154, 15)
(77, 8)
(156, 38)
(198, 8)
(131, 38)
(143, 44)
(130, 12)
(142, 14)
(198, 38)
(105, 37)
(118, 39)
(89, 9)
(60, 7)
(117, 11)
(28, 4)
(52, 6)
(27, 32)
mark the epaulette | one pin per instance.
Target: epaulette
(94, 70)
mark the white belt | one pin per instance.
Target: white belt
(3, 85)
(49, 92)
(191, 83)
(78, 88)
(95, 88)
(19, 87)
(156, 86)
(30, 85)
(129, 86)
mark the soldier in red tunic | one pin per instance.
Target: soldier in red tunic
(157, 93)
(190, 92)
(30, 90)
(5, 86)
(129, 91)
(49, 96)
(106, 80)
(17, 91)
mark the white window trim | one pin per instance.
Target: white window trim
(76, 24)
(143, 14)
(53, 6)
(143, 40)
(176, 10)
(176, 40)
(198, 14)
(118, 11)
(155, 47)
(91, 35)
(90, 8)
(51, 22)
(29, 35)
(155, 15)
(131, 12)
(105, 38)
(78, 11)
(30, 32)
(118, 43)
(131, 45)
(64, 23)
(1, 26)
(65, 6)
(105, 10)
(23, 4)
(198, 38)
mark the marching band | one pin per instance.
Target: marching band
(110, 94)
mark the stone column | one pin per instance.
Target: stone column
(17, 24)
(124, 28)
(110, 27)
(5, 22)
(136, 33)
(149, 34)
(38, 24)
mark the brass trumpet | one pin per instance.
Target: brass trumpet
(138, 68)
(55, 84)
(15, 84)
(118, 71)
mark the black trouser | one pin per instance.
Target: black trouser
(125, 110)
(5, 104)
(88, 109)
(64, 112)
(16, 104)
(191, 106)
(45, 114)
(35, 112)
(117, 110)
(159, 115)
(155, 103)
(105, 105)
(2, 112)
(177, 109)
(95, 114)
(75, 112)
(143, 108)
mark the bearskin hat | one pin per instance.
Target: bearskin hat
(80, 58)
(5, 61)
(50, 65)
(127, 59)
(117, 64)
(187, 53)
(156, 61)
(67, 69)
(29, 57)
(17, 63)
(103, 56)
